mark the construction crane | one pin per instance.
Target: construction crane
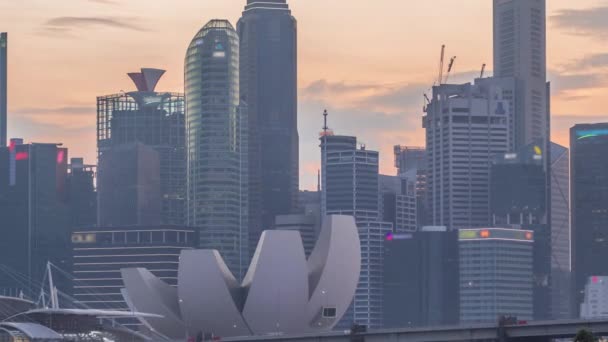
(450, 66)
(428, 102)
(483, 70)
(440, 78)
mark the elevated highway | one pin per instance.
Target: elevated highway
(530, 332)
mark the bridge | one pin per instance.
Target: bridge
(541, 331)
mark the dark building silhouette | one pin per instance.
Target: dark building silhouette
(518, 200)
(268, 43)
(421, 279)
(589, 172)
(34, 215)
(157, 120)
(129, 186)
(3, 87)
(82, 197)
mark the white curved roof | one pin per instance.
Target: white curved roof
(282, 291)
(33, 331)
(10, 306)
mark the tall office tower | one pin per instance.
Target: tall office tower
(217, 144)
(99, 253)
(520, 52)
(595, 302)
(411, 163)
(268, 35)
(518, 200)
(349, 178)
(34, 215)
(466, 125)
(489, 259)
(589, 181)
(421, 279)
(3, 87)
(129, 186)
(82, 197)
(155, 119)
(559, 219)
(398, 202)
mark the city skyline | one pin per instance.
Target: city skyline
(82, 50)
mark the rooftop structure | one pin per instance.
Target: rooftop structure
(156, 120)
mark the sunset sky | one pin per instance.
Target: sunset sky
(367, 62)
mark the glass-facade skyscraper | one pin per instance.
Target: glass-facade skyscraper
(268, 36)
(217, 144)
(589, 181)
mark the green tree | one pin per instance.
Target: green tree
(585, 336)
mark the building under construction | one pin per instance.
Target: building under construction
(155, 119)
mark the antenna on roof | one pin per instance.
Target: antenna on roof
(325, 128)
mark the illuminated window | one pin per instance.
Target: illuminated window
(484, 234)
(21, 156)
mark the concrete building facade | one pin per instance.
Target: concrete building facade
(350, 186)
(520, 52)
(466, 125)
(595, 302)
(495, 274)
(99, 253)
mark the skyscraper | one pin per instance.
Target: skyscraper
(349, 175)
(3, 87)
(466, 125)
(559, 220)
(217, 144)
(34, 220)
(157, 120)
(518, 200)
(82, 196)
(489, 260)
(268, 34)
(421, 278)
(589, 181)
(520, 52)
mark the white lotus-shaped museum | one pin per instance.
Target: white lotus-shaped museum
(282, 292)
